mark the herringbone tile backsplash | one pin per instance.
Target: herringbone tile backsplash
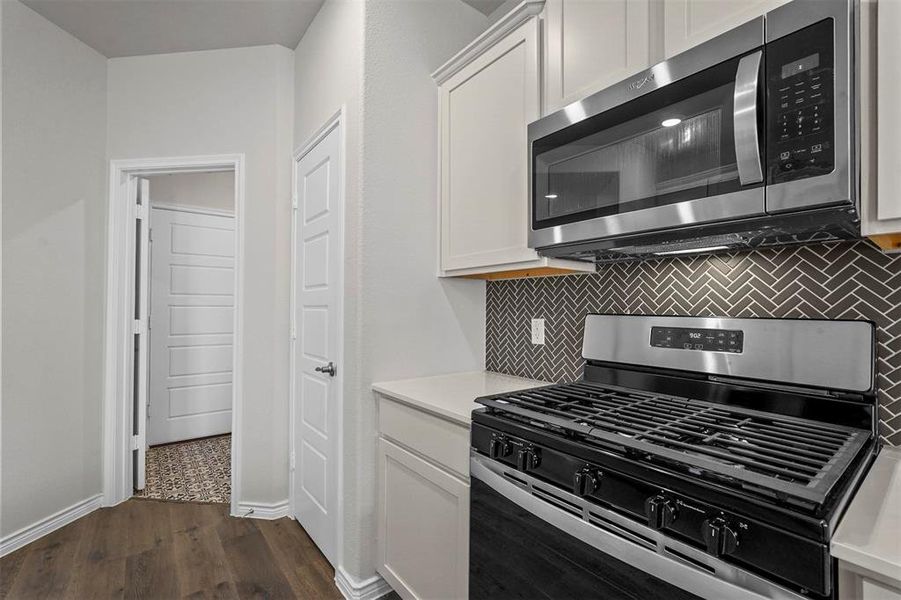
(847, 280)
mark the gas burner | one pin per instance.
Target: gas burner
(796, 457)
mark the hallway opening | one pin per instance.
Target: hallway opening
(173, 396)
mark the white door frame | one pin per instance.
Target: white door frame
(117, 413)
(336, 121)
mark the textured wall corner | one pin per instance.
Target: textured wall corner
(848, 280)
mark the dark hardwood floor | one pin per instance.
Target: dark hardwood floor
(154, 549)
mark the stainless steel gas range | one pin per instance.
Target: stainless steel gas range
(705, 457)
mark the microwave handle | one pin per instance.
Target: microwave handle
(747, 142)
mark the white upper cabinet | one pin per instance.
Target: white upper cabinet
(687, 23)
(592, 44)
(490, 92)
(880, 98)
(485, 109)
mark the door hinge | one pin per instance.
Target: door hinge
(139, 327)
(294, 202)
(293, 332)
(135, 442)
(293, 461)
(140, 211)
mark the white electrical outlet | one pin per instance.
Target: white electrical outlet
(538, 331)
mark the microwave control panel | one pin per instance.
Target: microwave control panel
(800, 99)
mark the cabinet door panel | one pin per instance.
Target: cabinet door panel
(485, 110)
(444, 442)
(880, 130)
(687, 23)
(592, 44)
(888, 97)
(423, 526)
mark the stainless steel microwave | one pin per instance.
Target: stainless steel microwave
(749, 139)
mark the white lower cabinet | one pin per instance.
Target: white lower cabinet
(423, 508)
(860, 584)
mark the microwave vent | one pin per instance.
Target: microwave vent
(744, 241)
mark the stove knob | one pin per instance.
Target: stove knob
(719, 537)
(660, 511)
(586, 480)
(528, 458)
(499, 446)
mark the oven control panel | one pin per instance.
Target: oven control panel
(690, 338)
(800, 99)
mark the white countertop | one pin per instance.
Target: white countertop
(869, 535)
(452, 396)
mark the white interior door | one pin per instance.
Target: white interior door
(316, 372)
(140, 331)
(191, 321)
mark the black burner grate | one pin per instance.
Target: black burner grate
(785, 455)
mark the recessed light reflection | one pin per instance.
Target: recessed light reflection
(671, 122)
(551, 196)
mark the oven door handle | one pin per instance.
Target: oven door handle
(744, 119)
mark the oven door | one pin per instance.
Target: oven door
(530, 539)
(678, 145)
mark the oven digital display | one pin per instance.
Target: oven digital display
(686, 338)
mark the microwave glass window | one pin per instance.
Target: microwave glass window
(670, 146)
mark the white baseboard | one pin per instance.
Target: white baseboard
(30, 533)
(355, 589)
(262, 510)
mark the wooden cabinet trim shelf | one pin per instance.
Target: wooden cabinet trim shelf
(522, 273)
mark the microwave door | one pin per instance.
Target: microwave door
(686, 153)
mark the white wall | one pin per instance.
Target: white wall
(219, 102)
(194, 190)
(54, 191)
(401, 320)
(413, 323)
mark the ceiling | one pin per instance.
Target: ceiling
(486, 7)
(134, 27)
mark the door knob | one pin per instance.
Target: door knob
(328, 369)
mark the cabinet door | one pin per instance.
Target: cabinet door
(423, 528)
(592, 44)
(853, 584)
(485, 109)
(880, 96)
(687, 23)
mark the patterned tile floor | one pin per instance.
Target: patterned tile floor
(191, 471)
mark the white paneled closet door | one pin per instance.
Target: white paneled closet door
(318, 233)
(191, 325)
